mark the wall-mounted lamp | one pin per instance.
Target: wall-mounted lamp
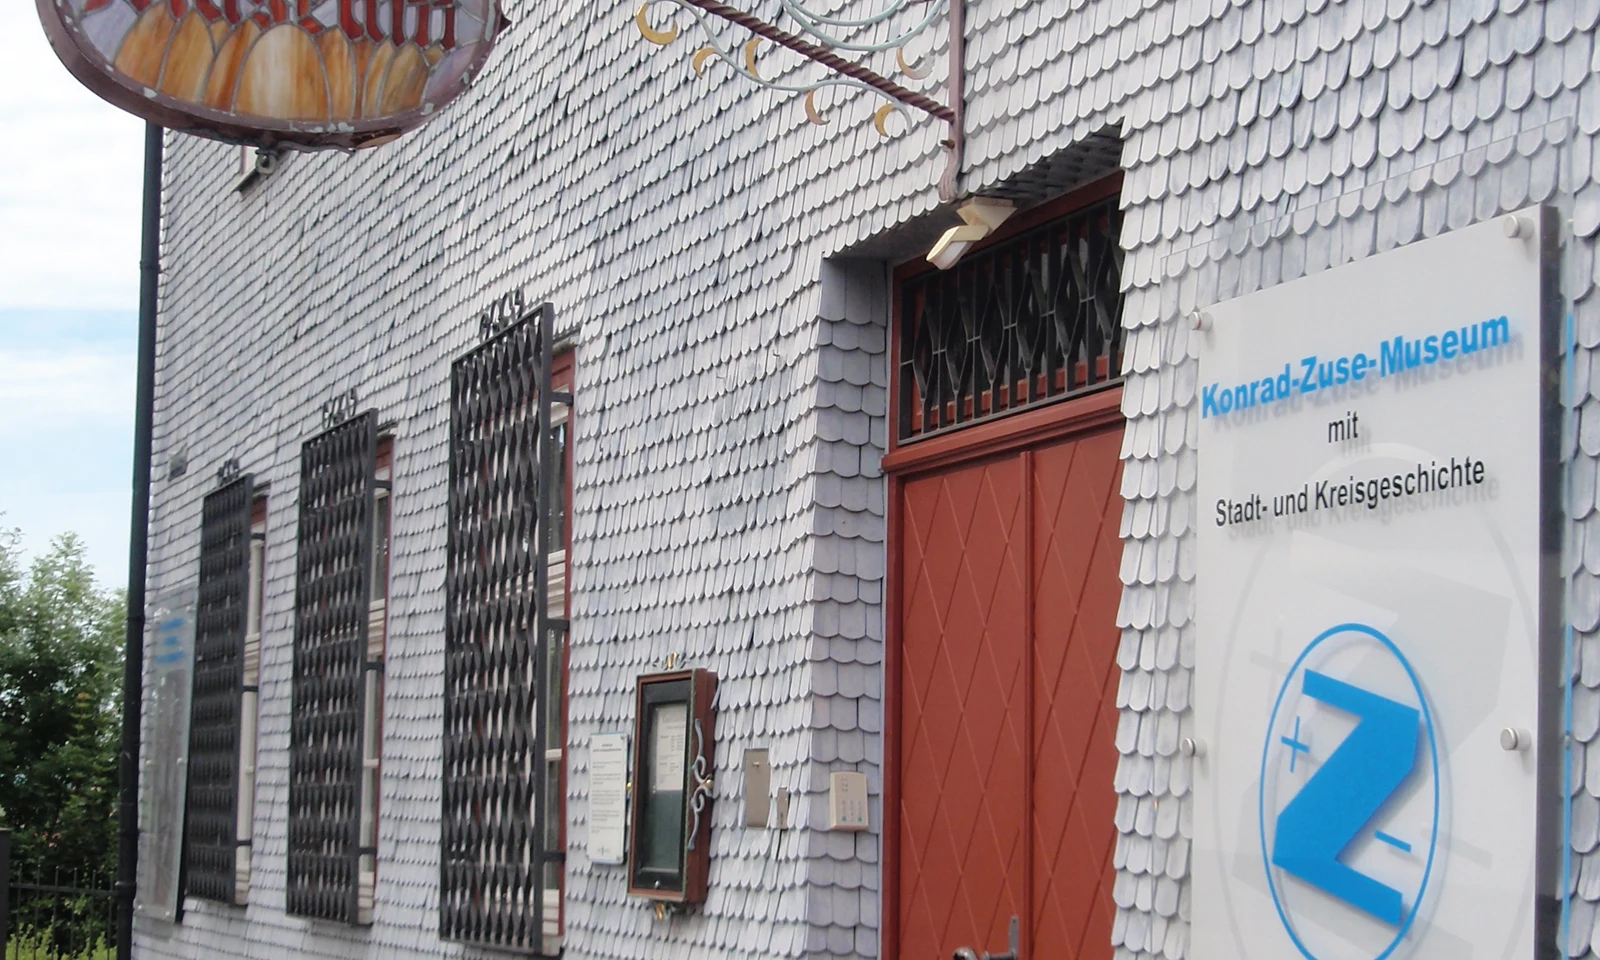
(983, 216)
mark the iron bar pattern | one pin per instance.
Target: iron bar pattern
(221, 622)
(333, 594)
(494, 826)
(55, 914)
(1032, 320)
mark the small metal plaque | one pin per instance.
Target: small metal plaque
(847, 801)
(757, 788)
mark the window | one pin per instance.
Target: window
(377, 648)
(1031, 319)
(251, 697)
(222, 730)
(555, 699)
(505, 649)
(341, 589)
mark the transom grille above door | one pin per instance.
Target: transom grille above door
(498, 844)
(1030, 320)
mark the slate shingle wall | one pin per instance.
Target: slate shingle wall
(728, 501)
(728, 504)
(848, 579)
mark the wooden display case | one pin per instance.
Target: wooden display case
(674, 744)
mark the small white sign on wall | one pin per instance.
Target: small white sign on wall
(848, 806)
(170, 627)
(1369, 519)
(608, 798)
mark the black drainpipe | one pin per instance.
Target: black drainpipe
(138, 548)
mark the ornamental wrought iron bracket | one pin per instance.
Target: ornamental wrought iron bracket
(703, 785)
(821, 38)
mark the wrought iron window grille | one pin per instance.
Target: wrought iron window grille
(328, 730)
(499, 845)
(1032, 320)
(216, 775)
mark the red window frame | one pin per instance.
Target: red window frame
(562, 378)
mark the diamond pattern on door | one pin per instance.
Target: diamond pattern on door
(963, 740)
(1008, 577)
(1076, 554)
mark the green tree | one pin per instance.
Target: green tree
(60, 695)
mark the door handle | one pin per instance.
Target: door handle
(967, 953)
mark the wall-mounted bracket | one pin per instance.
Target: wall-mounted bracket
(817, 37)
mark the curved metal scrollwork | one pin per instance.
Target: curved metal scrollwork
(817, 38)
(818, 24)
(703, 783)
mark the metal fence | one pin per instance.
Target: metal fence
(53, 915)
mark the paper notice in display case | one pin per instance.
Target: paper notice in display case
(667, 752)
(608, 798)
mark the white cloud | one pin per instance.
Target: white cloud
(66, 434)
(71, 174)
(44, 392)
(99, 519)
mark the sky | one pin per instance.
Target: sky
(71, 170)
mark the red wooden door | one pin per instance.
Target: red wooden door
(1008, 591)
(963, 741)
(1077, 552)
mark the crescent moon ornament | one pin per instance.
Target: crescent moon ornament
(881, 119)
(701, 56)
(916, 71)
(750, 49)
(658, 37)
(812, 113)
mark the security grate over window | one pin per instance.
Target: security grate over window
(501, 677)
(223, 621)
(328, 737)
(1031, 320)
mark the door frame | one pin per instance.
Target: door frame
(1058, 421)
(909, 459)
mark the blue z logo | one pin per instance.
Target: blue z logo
(1346, 794)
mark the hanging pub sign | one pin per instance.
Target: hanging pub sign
(309, 73)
